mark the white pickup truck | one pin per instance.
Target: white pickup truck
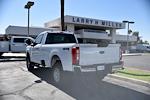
(61, 52)
(15, 44)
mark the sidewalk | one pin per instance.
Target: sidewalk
(133, 84)
(131, 80)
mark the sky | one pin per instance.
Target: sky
(12, 12)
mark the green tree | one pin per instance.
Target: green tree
(146, 42)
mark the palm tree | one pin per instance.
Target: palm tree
(146, 42)
(137, 35)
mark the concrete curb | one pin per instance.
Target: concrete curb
(130, 54)
(131, 80)
(15, 54)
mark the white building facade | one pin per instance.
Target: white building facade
(90, 30)
(23, 30)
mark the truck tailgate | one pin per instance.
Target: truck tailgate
(99, 55)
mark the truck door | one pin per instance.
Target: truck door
(17, 44)
(36, 50)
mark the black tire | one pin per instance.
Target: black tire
(57, 73)
(30, 65)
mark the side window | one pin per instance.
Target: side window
(39, 39)
(19, 40)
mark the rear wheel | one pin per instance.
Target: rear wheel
(30, 65)
(57, 72)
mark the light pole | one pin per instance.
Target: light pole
(128, 32)
(28, 6)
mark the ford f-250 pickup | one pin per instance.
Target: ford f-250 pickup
(62, 52)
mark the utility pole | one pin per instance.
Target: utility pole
(62, 15)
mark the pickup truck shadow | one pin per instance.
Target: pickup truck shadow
(11, 58)
(89, 86)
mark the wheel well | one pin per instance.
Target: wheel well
(55, 59)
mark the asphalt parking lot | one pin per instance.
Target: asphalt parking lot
(139, 61)
(16, 83)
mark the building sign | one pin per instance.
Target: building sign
(95, 22)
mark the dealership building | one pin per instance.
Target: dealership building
(87, 30)
(90, 30)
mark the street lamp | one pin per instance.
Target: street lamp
(128, 32)
(28, 6)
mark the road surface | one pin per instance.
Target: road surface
(16, 83)
(139, 62)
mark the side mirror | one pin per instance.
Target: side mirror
(28, 42)
(33, 44)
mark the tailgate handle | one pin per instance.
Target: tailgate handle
(101, 52)
(66, 49)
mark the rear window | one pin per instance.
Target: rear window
(53, 38)
(19, 40)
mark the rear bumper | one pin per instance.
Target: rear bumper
(107, 68)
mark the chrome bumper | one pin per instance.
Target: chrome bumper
(99, 67)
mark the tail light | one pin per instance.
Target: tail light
(75, 55)
(120, 54)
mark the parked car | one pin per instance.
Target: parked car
(15, 44)
(143, 48)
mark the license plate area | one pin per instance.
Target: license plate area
(100, 67)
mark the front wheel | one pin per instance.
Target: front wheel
(30, 65)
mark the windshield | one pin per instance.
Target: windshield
(53, 38)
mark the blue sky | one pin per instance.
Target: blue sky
(12, 12)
